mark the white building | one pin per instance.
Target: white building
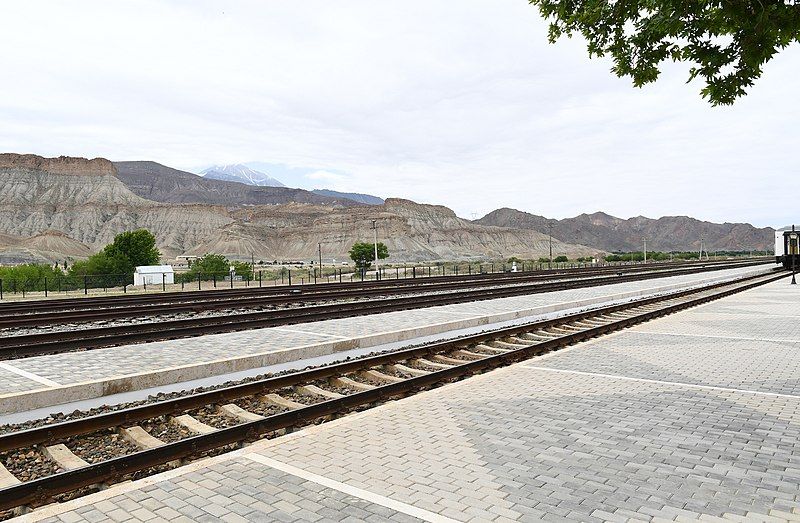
(153, 275)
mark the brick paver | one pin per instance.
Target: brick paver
(686, 430)
(115, 362)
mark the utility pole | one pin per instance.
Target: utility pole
(375, 237)
(645, 249)
(319, 246)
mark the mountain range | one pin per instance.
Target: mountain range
(57, 208)
(609, 233)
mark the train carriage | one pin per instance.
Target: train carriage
(787, 248)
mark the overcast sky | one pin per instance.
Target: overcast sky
(461, 103)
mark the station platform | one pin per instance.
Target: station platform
(63, 379)
(691, 417)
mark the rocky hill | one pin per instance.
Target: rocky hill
(669, 233)
(69, 207)
(159, 183)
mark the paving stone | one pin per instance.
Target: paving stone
(542, 440)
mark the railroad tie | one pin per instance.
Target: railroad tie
(521, 342)
(496, 350)
(235, 411)
(380, 376)
(192, 424)
(64, 457)
(344, 381)
(468, 354)
(409, 370)
(429, 363)
(313, 390)
(136, 435)
(449, 361)
(561, 330)
(506, 345)
(277, 399)
(7, 479)
(591, 323)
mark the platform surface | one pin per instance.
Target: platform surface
(695, 416)
(42, 381)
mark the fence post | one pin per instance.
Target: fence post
(85, 285)
(259, 279)
(1, 288)
(125, 288)
(290, 276)
(340, 275)
(199, 285)
(45, 286)
(163, 281)
(214, 277)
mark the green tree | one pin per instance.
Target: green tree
(726, 42)
(208, 266)
(243, 269)
(363, 254)
(560, 259)
(31, 277)
(139, 247)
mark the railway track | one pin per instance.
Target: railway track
(194, 425)
(46, 312)
(87, 338)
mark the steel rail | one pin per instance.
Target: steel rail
(296, 296)
(12, 347)
(43, 489)
(37, 307)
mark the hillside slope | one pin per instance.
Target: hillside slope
(669, 233)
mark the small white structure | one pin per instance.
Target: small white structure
(153, 275)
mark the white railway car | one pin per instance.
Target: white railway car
(787, 248)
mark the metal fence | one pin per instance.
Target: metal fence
(123, 283)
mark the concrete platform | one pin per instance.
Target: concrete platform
(658, 423)
(44, 381)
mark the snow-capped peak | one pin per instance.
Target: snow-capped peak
(240, 173)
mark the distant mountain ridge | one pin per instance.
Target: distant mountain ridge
(164, 184)
(367, 199)
(609, 233)
(240, 173)
(58, 208)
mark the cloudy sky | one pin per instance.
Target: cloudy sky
(462, 103)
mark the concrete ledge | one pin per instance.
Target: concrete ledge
(51, 396)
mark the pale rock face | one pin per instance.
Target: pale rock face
(52, 210)
(62, 165)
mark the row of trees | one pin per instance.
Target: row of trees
(110, 267)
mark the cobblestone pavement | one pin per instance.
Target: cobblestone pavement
(115, 362)
(552, 438)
